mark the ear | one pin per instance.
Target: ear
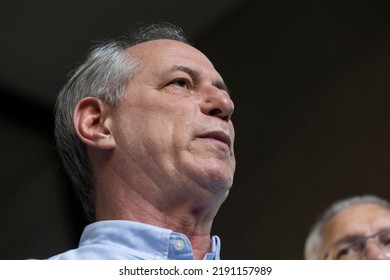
(92, 123)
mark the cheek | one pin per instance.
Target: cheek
(165, 124)
(164, 136)
(180, 135)
(232, 132)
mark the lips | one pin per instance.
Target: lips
(219, 136)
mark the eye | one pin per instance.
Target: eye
(181, 83)
(348, 252)
(385, 239)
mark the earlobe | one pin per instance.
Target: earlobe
(92, 125)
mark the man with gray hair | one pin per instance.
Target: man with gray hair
(351, 229)
(144, 130)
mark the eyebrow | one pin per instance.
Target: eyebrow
(220, 84)
(349, 239)
(358, 237)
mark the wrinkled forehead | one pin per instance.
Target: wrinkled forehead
(162, 47)
(166, 52)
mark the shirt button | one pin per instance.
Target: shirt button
(178, 245)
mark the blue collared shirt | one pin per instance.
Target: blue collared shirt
(126, 240)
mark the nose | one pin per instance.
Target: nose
(218, 103)
(373, 251)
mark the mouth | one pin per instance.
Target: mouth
(218, 136)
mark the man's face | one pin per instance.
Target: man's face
(174, 122)
(351, 225)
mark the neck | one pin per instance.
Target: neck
(190, 214)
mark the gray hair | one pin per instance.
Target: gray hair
(314, 240)
(105, 74)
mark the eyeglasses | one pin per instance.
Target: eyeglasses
(354, 247)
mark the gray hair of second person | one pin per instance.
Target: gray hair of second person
(105, 74)
(314, 239)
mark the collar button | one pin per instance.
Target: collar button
(178, 245)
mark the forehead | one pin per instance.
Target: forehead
(360, 219)
(158, 54)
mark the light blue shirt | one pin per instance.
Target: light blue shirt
(126, 240)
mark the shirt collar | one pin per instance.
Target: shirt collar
(144, 241)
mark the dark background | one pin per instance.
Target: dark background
(310, 82)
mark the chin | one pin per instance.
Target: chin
(220, 182)
(213, 174)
